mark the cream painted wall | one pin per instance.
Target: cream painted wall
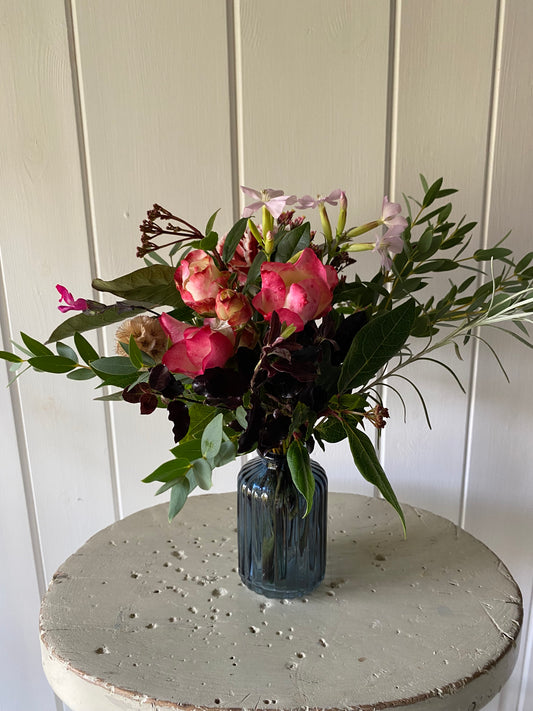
(110, 106)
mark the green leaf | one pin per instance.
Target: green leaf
(114, 365)
(233, 238)
(212, 437)
(52, 363)
(211, 222)
(300, 468)
(485, 255)
(255, 269)
(240, 415)
(85, 349)
(226, 454)
(375, 344)
(38, 349)
(11, 357)
(331, 430)
(365, 459)
(432, 193)
(293, 242)
(87, 321)
(82, 374)
(424, 182)
(203, 473)
(207, 243)
(178, 497)
(113, 397)
(66, 351)
(192, 449)
(151, 285)
(169, 470)
(135, 354)
(436, 265)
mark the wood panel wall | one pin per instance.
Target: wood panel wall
(108, 107)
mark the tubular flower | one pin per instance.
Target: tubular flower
(69, 303)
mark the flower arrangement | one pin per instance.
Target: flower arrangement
(266, 338)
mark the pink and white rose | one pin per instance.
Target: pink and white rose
(199, 280)
(196, 348)
(298, 292)
(233, 307)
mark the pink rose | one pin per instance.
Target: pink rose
(199, 280)
(196, 348)
(233, 307)
(298, 292)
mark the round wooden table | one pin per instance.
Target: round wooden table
(152, 615)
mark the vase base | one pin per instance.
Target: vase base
(273, 591)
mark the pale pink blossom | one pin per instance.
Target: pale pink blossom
(388, 244)
(274, 201)
(390, 216)
(307, 201)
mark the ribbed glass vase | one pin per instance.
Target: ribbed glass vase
(281, 553)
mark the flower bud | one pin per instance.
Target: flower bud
(343, 206)
(233, 307)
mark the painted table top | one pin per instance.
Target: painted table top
(152, 615)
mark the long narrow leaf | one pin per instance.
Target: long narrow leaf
(365, 459)
(302, 476)
(375, 344)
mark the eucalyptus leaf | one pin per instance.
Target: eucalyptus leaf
(114, 365)
(212, 438)
(226, 454)
(85, 349)
(37, 348)
(300, 468)
(135, 354)
(11, 357)
(203, 473)
(169, 470)
(52, 363)
(178, 496)
(66, 351)
(81, 374)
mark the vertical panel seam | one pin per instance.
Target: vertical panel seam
(234, 15)
(484, 228)
(88, 202)
(391, 148)
(234, 50)
(22, 446)
(234, 123)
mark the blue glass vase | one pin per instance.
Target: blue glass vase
(281, 553)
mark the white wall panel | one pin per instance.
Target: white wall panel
(19, 590)
(44, 242)
(155, 95)
(313, 117)
(159, 111)
(445, 68)
(500, 485)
